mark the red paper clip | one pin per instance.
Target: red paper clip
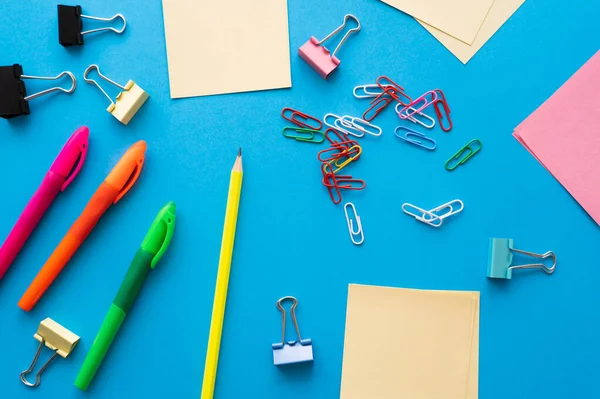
(393, 89)
(332, 182)
(341, 137)
(341, 149)
(377, 106)
(438, 112)
(304, 119)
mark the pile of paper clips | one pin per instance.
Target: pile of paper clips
(342, 150)
(386, 91)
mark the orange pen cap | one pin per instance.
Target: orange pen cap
(127, 170)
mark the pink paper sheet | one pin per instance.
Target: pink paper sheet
(563, 134)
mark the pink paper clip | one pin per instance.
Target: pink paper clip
(318, 57)
(419, 104)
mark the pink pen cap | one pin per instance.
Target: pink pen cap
(62, 172)
(69, 161)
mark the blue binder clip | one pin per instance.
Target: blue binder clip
(500, 258)
(292, 351)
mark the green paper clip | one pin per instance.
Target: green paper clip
(459, 158)
(307, 135)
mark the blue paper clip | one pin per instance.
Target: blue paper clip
(292, 351)
(500, 258)
(418, 141)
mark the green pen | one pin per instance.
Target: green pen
(152, 249)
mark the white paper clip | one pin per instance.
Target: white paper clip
(356, 234)
(127, 103)
(351, 125)
(363, 91)
(55, 337)
(435, 216)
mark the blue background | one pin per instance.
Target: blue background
(538, 333)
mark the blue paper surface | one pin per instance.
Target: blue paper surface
(291, 239)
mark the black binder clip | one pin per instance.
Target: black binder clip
(70, 25)
(13, 95)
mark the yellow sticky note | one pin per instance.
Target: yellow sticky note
(460, 19)
(500, 12)
(226, 46)
(403, 343)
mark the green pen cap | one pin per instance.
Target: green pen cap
(160, 233)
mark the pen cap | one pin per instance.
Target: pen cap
(159, 236)
(127, 170)
(69, 161)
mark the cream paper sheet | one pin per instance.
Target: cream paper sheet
(403, 343)
(500, 12)
(458, 18)
(226, 46)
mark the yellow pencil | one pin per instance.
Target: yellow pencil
(218, 313)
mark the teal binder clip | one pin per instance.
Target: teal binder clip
(290, 352)
(500, 259)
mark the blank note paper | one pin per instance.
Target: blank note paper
(458, 18)
(403, 343)
(226, 46)
(564, 135)
(500, 12)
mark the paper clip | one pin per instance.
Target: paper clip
(417, 117)
(290, 352)
(70, 25)
(357, 236)
(340, 151)
(352, 154)
(393, 89)
(306, 135)
(365, 91)
(463, 155)
(13, 93)
(341, 137)
(334, 184)
(418, 105)
(438, 112)
(435, 216)
(345, 125)
(500, 257)
(55, 337)
(127, 103)
(303, 119)
(317, 55)
(365, 126)
(376, 108)
(433, 220)
(418, 141)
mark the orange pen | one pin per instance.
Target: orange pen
(113, 188)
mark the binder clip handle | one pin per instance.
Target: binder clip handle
(88, 80)
(38, 376)
(342, 26)
(546, 269)
(109, 28)
(293, 313)
(57, 88)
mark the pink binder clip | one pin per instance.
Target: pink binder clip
(318, 57)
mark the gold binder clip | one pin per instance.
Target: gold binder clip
(56, 338)
(127, 103)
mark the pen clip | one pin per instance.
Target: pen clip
(168, 220)
(83, 149)
(131, 181)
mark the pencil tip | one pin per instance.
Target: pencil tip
(240, 152)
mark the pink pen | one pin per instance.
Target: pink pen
(62, 172)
